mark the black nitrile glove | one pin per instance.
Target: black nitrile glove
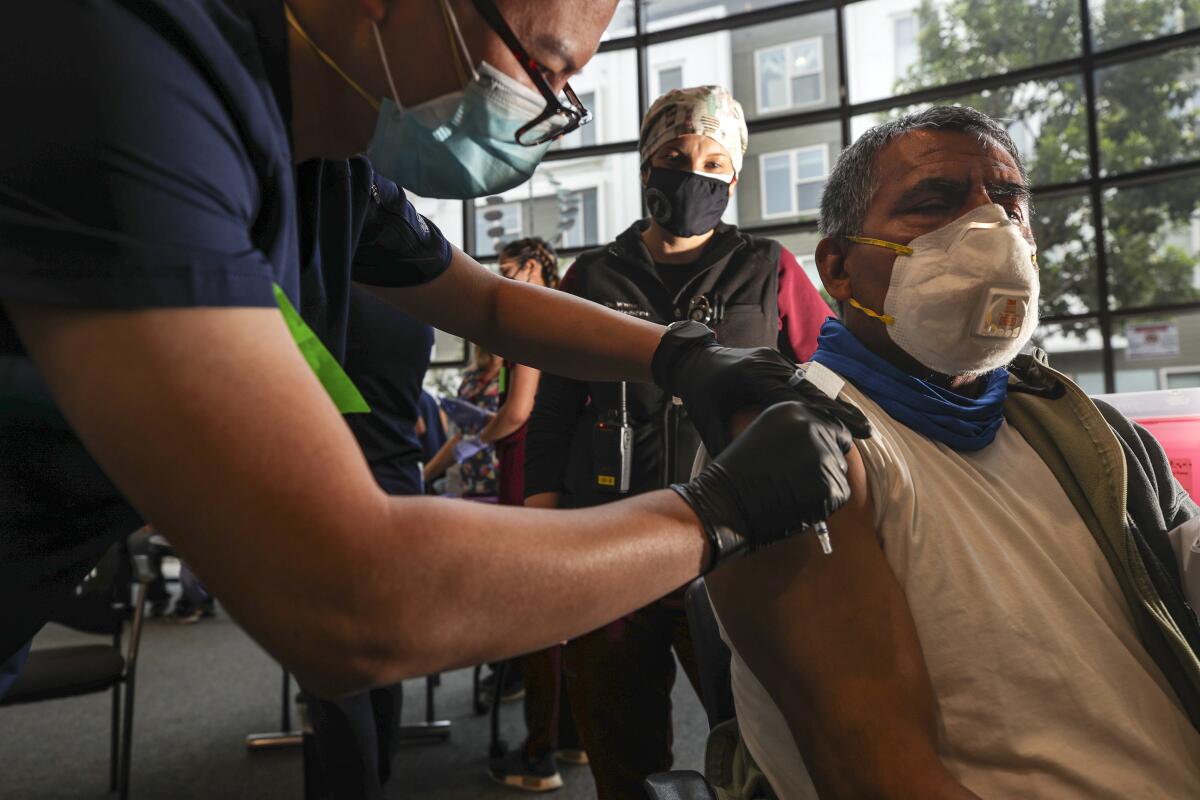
(787, 469)
(716, 382)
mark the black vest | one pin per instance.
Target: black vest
(741, 269)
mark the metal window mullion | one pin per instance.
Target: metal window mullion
(843, 76)
(1096, 192)
(643, 87)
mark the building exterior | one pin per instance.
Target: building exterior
(784, 60)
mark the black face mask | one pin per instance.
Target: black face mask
(684, 203)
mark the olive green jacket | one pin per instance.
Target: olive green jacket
(1119, 480)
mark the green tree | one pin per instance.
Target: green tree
(1148, 113)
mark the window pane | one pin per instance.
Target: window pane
(810, 163)
(808, 196)
(1047, 120)
(1152, 236)
(1148, 350)
(905, 51)
(810, 68)
(806, 57)
(447, 348)
(1149, 111)
(753, 62)
(497, 224)
(1066, 241)
(602, 86)
(806, 90)
(586, 133)
(777, 178)
(772, 87)
(1117, 22)
(1184, 379)
(1076, 349)
(670, 78)
(759, 199)
(623, 20)
(701, 60)
(956, 41)
(578, 202)
(663, 14)
(446, 214)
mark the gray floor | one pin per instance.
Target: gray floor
(203, 687)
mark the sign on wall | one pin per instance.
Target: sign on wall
(1152, 339)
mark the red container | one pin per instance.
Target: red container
(1173, 417)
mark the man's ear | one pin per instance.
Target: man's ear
(732, 184)
(831, 264)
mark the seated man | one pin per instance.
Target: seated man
(1001, 613)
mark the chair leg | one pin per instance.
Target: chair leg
(126, 744)
(114, 745)
(498, 748)
(285, 722)
(477, 692)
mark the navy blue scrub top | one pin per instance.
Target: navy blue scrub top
(387, 354)
(148, 165)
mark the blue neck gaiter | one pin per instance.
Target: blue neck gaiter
(962, 423)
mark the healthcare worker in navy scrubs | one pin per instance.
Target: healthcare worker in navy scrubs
(177, 177)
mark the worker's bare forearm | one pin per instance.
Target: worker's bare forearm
(499, 581)
(547, 329)
(573, 337)
(241, 459)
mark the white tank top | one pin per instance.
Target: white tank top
(1043, 689)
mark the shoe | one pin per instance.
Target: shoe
(158, 608)
(187, 614)
(575, 756)
(516, 771)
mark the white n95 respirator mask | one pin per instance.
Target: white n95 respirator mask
(963, 298)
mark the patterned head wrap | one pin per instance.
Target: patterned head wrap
(707, 110)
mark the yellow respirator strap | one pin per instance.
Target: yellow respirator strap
(886, 319)
(328, 59)
(902, 249)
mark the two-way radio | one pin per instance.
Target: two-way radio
(612, 448)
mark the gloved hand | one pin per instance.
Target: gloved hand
(466, 447)
(786, 470)
(715, 382)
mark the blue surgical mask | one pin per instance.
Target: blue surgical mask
(462, 144)
(459, 145)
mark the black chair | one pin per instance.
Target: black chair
(100, 605)
(716, 692)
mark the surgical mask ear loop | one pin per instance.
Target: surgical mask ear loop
(464, 53)
(387, 69)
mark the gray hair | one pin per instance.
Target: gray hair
(853, 182)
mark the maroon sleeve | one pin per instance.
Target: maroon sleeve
(802, 310)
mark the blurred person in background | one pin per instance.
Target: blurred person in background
(681, 263)
(548, 721)
(468, 464)
(387, 356)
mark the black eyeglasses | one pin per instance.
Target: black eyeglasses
(558, 119)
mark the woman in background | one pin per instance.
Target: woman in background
(464, 453)
(547, 713)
